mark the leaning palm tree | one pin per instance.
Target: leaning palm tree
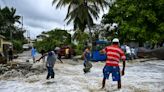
(82, 12)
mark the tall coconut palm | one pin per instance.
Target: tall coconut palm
(82, 12)
(9, 18)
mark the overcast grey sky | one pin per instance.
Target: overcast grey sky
(40, 15)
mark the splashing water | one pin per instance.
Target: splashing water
(139, 77)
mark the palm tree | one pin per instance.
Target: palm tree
(82, 12)
(9, 18)
(9, 15)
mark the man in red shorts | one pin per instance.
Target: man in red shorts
(114, 54)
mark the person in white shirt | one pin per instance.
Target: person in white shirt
(128, 52)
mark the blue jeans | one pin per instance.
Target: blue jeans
(50, 72)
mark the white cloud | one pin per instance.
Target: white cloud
(40, 15)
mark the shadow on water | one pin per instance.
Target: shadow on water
(49, 82)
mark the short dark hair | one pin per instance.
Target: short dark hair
(50, 53)
(88, 47)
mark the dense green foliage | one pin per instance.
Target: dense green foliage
(80, 37)
(11, 32)
(17, 46)
(79, 49)
(82, 12)
(139, 20)
(56, 38)
(8, 19)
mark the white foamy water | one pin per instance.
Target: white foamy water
(139, 77)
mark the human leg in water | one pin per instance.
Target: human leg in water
(52, 72)
(87, 66)
(103, 83)
(49, 72)
(119, 84)
(59, 57)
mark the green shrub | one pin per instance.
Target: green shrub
(79, 49)
(17, 46)
(46, 44)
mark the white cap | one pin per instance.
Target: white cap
(115, 40)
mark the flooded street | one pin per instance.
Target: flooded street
(139, 77)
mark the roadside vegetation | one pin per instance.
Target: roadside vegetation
(9, 30)
(138, 21)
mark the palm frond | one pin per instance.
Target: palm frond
(82, 12)
(54, 1)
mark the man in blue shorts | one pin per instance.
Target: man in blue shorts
(114, 54)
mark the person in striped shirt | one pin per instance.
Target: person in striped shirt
(114, 54)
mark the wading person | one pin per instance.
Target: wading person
(57, 52)
(86, 55)
(33, 53)
(50, 62)
(114, 54)
(10, 54)
(67, 52)
(128, 52)
(43, 59)
(59, 57)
